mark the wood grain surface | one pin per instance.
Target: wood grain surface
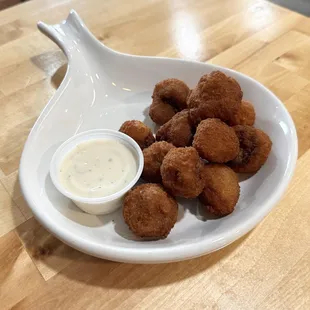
(268, 268)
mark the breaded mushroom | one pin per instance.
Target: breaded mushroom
(221, 189)
(244, 116)
(215, 141)
(153, 158)
(139, 132)
(181, 172)
(169, 97)
(177, 131)
(219, 94)
(150, 212)
(255, 147)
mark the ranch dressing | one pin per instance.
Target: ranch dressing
(97, 168)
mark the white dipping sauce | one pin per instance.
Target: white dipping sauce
(98, 168)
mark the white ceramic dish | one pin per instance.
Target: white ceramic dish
(102, 205)
(103, 88)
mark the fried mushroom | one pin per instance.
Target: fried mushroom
(215, 141)
(139, 132)
(150, 212)
(221, 189)
(181, 172)
(255, 147)
(169, 97)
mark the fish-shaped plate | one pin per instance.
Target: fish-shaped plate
(103, 88)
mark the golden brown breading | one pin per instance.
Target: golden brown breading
(150, 212)
(161, 112)
(215, 141)
(153, 158)
(215, 86)
(204, 111)
(177, 131)
(139, 132)
(244, 116)
(221, 191)
(219, 94)
(181, 172)
(169, 97)
(255, 147)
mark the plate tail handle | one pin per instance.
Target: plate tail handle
(69, 34)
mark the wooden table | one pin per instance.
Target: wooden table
(267, 269)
